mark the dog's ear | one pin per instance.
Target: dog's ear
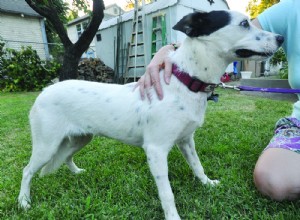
(202, 23)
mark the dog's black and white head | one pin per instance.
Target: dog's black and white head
(232, 33)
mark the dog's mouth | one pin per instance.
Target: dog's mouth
(245, 53)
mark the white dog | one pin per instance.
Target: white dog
(66, 115)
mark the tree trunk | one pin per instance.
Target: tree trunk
(70, 65)
(73, 51)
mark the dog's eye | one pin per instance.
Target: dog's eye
(245, 24)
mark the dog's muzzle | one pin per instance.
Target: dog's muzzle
(246, 53)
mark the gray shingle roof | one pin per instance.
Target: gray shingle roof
(17, 7)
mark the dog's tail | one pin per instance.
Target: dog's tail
(57, 160)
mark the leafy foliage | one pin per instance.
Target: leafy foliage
(24, 70)
(130, 3)
(283, 73)
(280, 58)
(255, 7)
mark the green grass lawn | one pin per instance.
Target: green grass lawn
(118, 183)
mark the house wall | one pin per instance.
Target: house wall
(72, 33)
(106, 48)
(19, 31)
(113, 10)
(204, 5)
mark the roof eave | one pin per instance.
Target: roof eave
(19, 13)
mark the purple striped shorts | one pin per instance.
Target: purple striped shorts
(287, 135)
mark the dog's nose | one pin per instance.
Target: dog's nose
(280, 40)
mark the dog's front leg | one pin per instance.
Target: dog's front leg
(157, 160)
(187, 148)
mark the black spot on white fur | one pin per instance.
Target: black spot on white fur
(202, 23)
(82, 90)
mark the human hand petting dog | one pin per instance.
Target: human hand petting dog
(151, 77)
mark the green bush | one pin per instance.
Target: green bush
(24, 70)
(280, 58)
(283, 72)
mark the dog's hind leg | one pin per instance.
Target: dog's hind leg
(42, 153)
(157, 160)
(76, 143)
(187, 148)
(67, 148)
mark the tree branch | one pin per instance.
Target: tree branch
(53, 17)
(87, 36)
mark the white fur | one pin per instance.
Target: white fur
(66, 115)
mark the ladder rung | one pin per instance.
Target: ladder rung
(157, 16)
(139, 32)
(156, 29)
(137, 66)
(138, 55)
(138, 44)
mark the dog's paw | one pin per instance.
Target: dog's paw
(212, 182)
(24, 203)
(78, 171)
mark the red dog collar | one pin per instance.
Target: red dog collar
(194, 84)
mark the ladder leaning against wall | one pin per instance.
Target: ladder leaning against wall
(136, 54)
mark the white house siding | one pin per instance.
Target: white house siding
(19, 31)
(106, 48)
(204, 5)
(72, 33)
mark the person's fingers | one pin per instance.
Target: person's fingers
(148, 85)
(168, 70)
(152, 75)
(141, 86)
(155, 80)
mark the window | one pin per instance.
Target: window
(79, 31)
(81, 28)
(84, 25)
(115, 11)
(98, 37)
